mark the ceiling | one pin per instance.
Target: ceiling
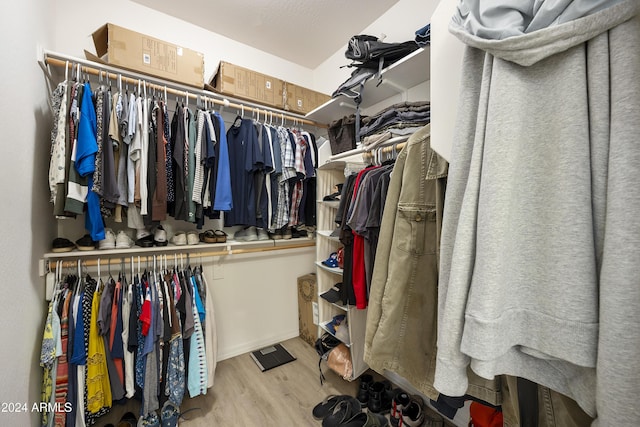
(305, 32)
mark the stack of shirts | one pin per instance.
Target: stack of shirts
(397, 120)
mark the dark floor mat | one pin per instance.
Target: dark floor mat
(271, 357)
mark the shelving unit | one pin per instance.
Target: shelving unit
(400, 76)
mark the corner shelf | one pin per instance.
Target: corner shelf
(397, 78)
(327, 234)
(324, 327)
(329, 269)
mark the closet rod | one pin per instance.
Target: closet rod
(112, 73)
(94, 262)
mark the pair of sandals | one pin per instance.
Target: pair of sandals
(213, 236)
(346, 411)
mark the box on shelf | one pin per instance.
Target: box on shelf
(307, 298)
(301, 100)
(128, 49)
(240, 82)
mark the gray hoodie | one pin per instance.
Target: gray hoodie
(540, 253)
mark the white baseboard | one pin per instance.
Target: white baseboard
(255, 345)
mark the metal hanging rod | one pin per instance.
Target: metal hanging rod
(93, 68)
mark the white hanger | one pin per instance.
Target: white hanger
(66, 72)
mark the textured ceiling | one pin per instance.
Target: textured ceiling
(305, 32)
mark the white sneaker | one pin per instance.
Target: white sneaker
(109, 241)
(123, 241)
(247, 235)
(142, 232)
(160, 237)
(179, 239)
(193, 238)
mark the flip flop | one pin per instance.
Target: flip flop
(324, 408)
(209, 236)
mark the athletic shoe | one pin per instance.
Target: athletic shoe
(413, 415)
(60, 244)
(193, 238)
(123, 241)
(262, 234)
(109, 241)
(400, 401)
(160, 237)
(247, 235)
(179, 239)
(85, 243)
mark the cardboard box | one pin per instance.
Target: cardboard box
(240, 82)
(124, 48)
(307, 298)
(301, 100)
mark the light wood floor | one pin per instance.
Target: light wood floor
(244, 396)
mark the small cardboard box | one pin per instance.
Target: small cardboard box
(128, 49)
(240, 82)
(307, 299)
(301, 100)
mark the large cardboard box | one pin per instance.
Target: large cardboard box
(301, 100)
(240, 82)
(307, 303)
(128, 49)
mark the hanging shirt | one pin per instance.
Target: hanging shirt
(197, 374)
(223, 198)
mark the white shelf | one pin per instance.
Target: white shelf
(400, 76)
(324, 327)
(327, 234)
(329, 269)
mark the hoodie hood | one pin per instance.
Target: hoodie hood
(528, 31)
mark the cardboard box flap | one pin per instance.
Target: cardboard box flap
(101, 40)
(91, 57)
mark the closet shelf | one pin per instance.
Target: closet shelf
(397, 78)
(327, 234)
(329, 269)
(231, 247)
(326, 329)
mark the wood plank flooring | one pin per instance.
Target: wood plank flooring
(244, 396)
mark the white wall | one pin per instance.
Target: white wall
(26, 229)
(74, 22)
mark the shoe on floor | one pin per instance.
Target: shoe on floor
(109, 241)
(85, 243)
(60, 244)
(123, 241)
(249, 234)
(366, 419)
(179, 239)
(414, 416)
(365, 380)
(193, 238)
(160, 237)
(400, 401)
(262, 234)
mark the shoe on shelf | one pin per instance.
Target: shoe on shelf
(60, 244)
(85, 243)
(363, 389)
(123, 241)
(221, 236)
(145, 242)
(109, 241)
(208, 236)
(332, 261)
(262, 234)
(276, 235)
(160, 237)
(249, 234)
(400, 401)
(286, 233)
(141, 233)
(192, 238)
(179, 239)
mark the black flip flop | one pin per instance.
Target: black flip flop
(324, 408)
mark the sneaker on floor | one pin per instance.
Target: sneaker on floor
(412, 414)
(247, 235)
(123, 241)
(109, 241)
(160, 237)
(85, 243)
(400, 401)
(262, 234)
(179, 239)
